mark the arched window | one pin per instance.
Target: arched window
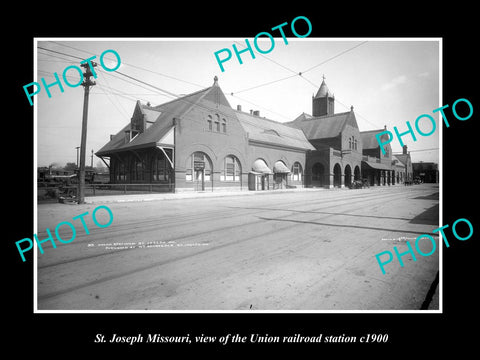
(297, 172)
(355, 144)
(224, 126)
(350, 143)
(210, 122)
(217, 123)
(232, 169)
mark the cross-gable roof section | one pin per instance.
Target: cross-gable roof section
(403, 158)
(322, 127)
(161, 118)
(272, 132)
(369, 140)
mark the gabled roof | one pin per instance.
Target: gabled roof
(396, 157)
(369, 140)
(322, 127)
(161, 117)
(272, 132)
(403, 158)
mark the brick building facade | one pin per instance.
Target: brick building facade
(198, 142)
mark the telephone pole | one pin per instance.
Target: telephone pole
(81, 174)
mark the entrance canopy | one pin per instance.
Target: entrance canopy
(377, 166)
(260, 166)
(280, 168)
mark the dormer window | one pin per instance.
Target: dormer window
(130, 135)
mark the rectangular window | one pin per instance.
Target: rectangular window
(230, 168)
(159, 169)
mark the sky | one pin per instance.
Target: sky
(388, 82)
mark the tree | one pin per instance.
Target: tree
(70, 166)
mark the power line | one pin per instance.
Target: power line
(273, 61)
(135, 66)
(259, 106)
(59, 52)
(265, 84)
(335, 56)
(175, 96)
(300, 73)
(431, 149)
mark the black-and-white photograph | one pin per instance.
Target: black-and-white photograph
(232, 175)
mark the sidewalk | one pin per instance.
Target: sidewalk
(207, 194)
(190, 195)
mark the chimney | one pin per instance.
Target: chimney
(251, 111)
(256, 113)
(404, 149)
(239, 107)
(111, 136)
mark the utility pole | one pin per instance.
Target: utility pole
(81, 174)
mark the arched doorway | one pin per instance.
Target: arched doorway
(280, 172)
(356, 173)
(348, 175)
(318, 174)
(337, 176)
(199, 170)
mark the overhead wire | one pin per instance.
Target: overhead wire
(301, 74)
(135, 66)
(175, 96)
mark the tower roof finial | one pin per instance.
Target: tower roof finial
(323, 91)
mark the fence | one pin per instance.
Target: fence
(46, 193)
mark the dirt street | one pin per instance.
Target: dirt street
(311, 250)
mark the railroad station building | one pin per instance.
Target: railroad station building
(342, 153)
(198, 142)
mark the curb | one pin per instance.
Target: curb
(180, 196)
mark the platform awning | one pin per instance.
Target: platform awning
(280, 168)
(377, 166)
(259, 166)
